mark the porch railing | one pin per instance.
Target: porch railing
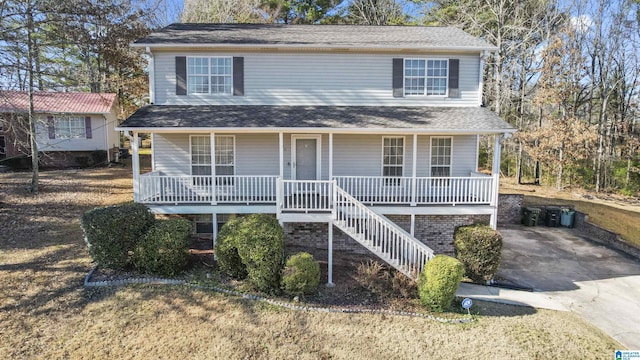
(315, 195)
(476, 189)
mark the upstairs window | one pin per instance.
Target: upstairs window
(209, 75)
(70, 127)
(425, 77)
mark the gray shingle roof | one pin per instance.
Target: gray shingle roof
(338, 36)
(437, 119)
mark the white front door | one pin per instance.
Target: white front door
(305, 157)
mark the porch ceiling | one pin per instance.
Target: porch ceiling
(451, 120)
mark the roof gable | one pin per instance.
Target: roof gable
(57, 102)
(322, 36)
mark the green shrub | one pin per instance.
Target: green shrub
(301, 274)
(226, 249)
(113, 232)
(261, 247)
(439, 281)
(164, 249)
(479, 248)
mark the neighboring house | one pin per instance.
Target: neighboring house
(72, 129)
(370, 130)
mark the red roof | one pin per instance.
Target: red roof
(57, 102)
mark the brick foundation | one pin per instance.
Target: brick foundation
(510, 208)
(436, 231)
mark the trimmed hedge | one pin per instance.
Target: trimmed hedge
(439, 281)
(479, 248)
(113, 232)
(261, 248)
(226, 249)
(255, 242)
(301, 274)
(164, 249)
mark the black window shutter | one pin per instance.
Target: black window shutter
(454, 78)
(181, 75)
(238, 76)
(398, 69)
(87, 127)
(51, 127)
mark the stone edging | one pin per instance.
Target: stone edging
(286, 305)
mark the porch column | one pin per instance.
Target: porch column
(212, 141)
(495, 174)
(281, 153)
(413, 170)
(330, 156)
(330, 256)
(135, 165)
(214, 219)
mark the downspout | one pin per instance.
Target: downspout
(152, 77)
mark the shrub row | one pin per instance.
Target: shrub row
(252, 247)
(127, 236)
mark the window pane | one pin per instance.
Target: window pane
(392, 156)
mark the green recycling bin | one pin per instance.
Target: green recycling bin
(530, 216)
(567, 217)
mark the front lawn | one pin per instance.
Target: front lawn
(46, 313)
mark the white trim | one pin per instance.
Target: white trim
(404, 153)
(152, 76)
(209, 75)
(330, 156)
(431, 138)
(433, 210)
(221, 46)
(212, 151)
(153, 152)
(481, 77)
(281, 153)
(318, 138)
(426, 61)
(288, 130)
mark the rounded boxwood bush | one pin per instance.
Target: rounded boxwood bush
(260, 246)
(164, 249)
(479, 248)
(301, 274)
(226, 249)
(439, 281)
(112, 232)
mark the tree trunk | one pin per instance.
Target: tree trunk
(35, 172)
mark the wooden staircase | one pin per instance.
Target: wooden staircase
(379, 235)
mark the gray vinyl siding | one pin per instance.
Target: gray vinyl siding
(353, 155)
(315, 79)
(171, 154)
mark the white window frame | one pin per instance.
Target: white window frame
(426, 77)
(431, 165)
(57, 126)
(215, 160)
(404, 154)
(191, 164)
(209, 75)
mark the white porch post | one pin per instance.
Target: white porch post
(330, 156)
(330, 256)
(413, 224)
(413, 170)
(212, 141)
(135, 165)
(214, 219)
(281, 153)
(495, 174)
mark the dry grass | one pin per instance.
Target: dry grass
(614, 213)
(45, 313)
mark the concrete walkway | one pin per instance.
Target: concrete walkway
(569, 273)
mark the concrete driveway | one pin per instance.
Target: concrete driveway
(568, 272)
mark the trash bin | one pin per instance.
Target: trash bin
(553, 217)
(567, 217)
(530, 216)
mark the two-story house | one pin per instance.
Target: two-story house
(360, 138)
